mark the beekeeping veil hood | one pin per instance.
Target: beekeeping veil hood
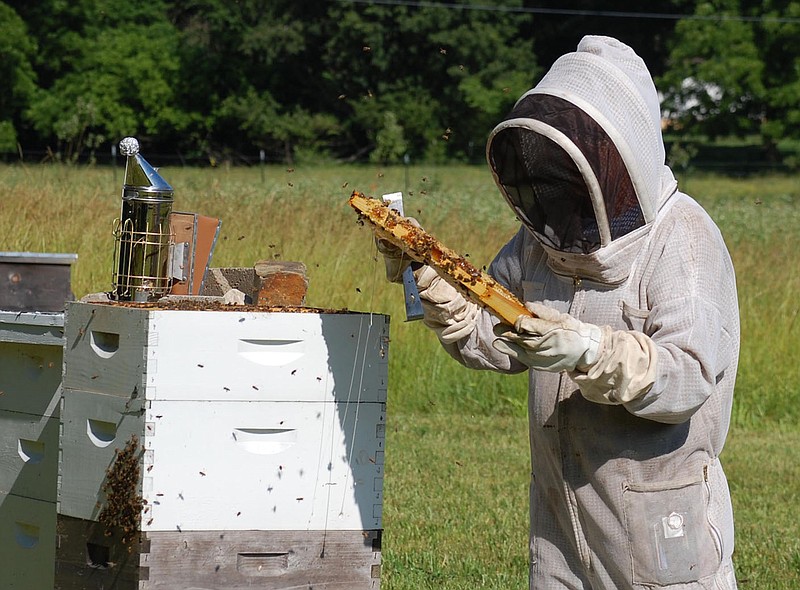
(580, 158)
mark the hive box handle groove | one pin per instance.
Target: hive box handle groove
(101, 433)
(104, 344)
(262, 564)
(271, 353)
(31, 451)
(265, 441)
(26, 535)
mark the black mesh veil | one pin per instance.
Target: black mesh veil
(544, 185)
(546, 189)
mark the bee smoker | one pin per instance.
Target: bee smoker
(142, 233)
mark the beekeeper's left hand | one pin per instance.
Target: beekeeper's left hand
(551, 341)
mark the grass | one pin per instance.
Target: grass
(457, 452)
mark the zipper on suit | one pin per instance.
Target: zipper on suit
(577, 528)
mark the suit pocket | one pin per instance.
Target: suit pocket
(669, 535)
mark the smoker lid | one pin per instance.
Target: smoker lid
(142, 181)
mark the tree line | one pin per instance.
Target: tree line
(353, 80)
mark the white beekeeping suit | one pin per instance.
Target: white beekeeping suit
(632, 369)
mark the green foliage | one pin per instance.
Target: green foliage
(708, 90)
(8, 136)
(735, 77)
(118, 83)
(447, 75)
(390, 145)
(17, 76)
(319, 80)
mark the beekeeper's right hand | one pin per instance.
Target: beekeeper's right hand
(447, 312)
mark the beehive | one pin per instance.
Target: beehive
(253, 442)
(31, 346)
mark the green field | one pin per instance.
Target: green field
(455, 511)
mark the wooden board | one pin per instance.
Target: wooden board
(454, 268)
(200, 233)
(90, 558)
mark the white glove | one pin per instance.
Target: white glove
(552, 341)
(395, 260)
(447, 312)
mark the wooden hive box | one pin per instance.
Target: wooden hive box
(250, 444)
(31, 347)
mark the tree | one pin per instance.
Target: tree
(735, 70)
(778, 40)
(713, 85)
(447, 74)
(251, 76)
(17, 77)
(118, 83)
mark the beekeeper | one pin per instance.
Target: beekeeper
(635, 342)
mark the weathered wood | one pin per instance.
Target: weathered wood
(32, 327)
(281, 283)
(200, 233)
(28, 455)
(27, 543)
(30, 378)
(90, 558)
(268, 560)
(105, 349)
(31, 281)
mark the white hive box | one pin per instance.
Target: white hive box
(31, 347)
(229, 465)
(174, 355)
(265, 429)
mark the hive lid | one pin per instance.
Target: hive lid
(37, 258)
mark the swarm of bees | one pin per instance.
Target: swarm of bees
(123, 507)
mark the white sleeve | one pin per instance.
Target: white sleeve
(624, 370)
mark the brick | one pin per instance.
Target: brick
(281, 283)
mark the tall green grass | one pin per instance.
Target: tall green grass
(302, 214)
(457, 451)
